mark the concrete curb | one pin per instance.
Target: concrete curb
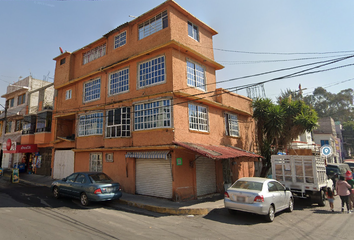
(172, 211)
(35, 184)
(165, 210)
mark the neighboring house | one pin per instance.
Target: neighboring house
(325, 134)
(19, 97)
(304, 145)
(141, 105)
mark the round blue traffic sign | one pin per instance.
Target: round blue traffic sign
(326, 150)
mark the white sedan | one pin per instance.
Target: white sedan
(262, 196)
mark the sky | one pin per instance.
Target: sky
(271, 39)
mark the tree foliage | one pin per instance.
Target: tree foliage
(337, 106)
(278, 124)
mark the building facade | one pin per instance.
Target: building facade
(23, 98)
(141, 105)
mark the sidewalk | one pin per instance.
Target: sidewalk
(192, 207)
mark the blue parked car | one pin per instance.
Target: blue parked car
(87, 186)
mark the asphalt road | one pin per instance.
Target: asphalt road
(31, 212)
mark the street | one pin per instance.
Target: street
(31, 212)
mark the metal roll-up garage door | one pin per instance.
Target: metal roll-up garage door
(153, 177)
(206, 180)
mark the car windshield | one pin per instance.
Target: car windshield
(248, 185)
(100, 178)
(332, 170)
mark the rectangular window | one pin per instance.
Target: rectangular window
(8, 126)
(324, 142)
(195, 75)
(193, 31)
(92, 90)
(231, 124)
(18, 126)
(119, 82)
(155, 24)
(91, 124)
(198, 118)
(151, 72)
(152, 115)
(10, 103)
(29, 124)
(62, 61)
(120, 39)
(95, 53)
(68, 94)
(118, 122)
(96, 162)
(21, 99)
(109, 157)
(44, 122)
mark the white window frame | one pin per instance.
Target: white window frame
(196, 75)
(94, 53)
(153, 25)
(120, 39)
(193, 31)
(120, 126)
(153, 114)
(90, 90)
(152, 72)
(68, 94)
(96, 163)
(119, 81)
(198, 117)
(109, 157)
(91, 124)
(232, 125)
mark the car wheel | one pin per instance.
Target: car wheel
(84, 199)
(322, 199)
(56, 192)
(291, 205)
(271, 214)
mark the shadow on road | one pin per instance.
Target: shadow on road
(242, 218)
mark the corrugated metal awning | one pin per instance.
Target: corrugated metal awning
(149, 155)
(217, 152)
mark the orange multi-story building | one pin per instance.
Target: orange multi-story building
(141, 105)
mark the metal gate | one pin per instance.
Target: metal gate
(63, 163)
(153, 177)
(206, 179)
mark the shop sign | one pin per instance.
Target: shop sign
(25, 148)
(9, 146)
(179, 161)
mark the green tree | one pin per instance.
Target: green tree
(337, 106)
(348, 137)
(278, 124)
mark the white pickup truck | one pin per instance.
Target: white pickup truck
(305, 176)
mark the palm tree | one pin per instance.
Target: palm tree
(278, 125)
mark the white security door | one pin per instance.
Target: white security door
(63, 163)
(153, 177)
(206, 179)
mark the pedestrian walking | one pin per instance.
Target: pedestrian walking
(349, 179)
(330, 198)
(343, 190)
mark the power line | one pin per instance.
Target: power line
(276, 60)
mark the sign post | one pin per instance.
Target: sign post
(326, 151)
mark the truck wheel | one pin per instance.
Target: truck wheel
(321, 198)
